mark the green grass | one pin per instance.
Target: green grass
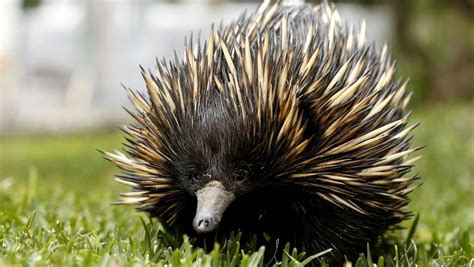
(55, 195)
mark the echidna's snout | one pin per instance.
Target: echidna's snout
(212, 201)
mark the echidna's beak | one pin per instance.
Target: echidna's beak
(212, 201)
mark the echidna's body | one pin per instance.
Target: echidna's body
(285, 122)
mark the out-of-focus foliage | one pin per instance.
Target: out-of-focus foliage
(435, 47)
(30, 3)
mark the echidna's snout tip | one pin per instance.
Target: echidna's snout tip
(204, 224)
(212, 201)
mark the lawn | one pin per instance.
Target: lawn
(56, 191)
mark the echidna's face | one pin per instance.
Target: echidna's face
(215, 181)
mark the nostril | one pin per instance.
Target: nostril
(203, 225)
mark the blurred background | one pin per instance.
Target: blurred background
(62, 62)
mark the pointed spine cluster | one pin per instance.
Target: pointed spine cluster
(268, 65)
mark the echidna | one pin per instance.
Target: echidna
(287, 122)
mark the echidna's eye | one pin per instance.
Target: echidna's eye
(193, 176)
(241, 175)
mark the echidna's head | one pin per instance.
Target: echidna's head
(213, 161)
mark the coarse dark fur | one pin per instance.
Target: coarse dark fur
(295, 113)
